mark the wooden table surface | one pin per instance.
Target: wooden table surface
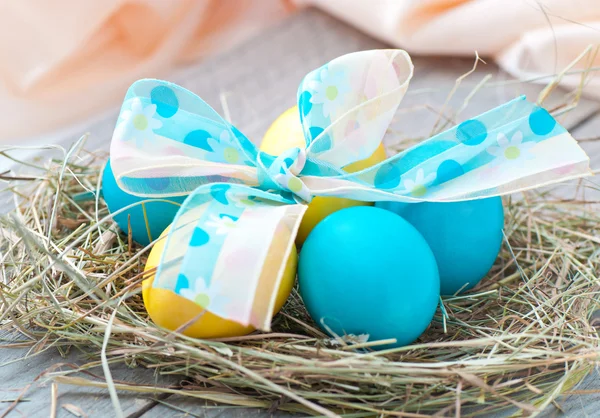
(258, 80)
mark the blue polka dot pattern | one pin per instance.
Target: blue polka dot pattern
(304, 103)
(448, 170)
(199, 237)
(199, 139)
(471, 132)
(314, 131)
(218, 192)
(387, 177)
(165, 100)
(182, 283)
(323, 144)
(158, 183)
(422, 153)
(540, 122)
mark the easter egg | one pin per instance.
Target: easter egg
(148, 220)
(465, 237)
(365, 270)
(170, 310)
(285, 133)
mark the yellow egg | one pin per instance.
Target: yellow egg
(285, 133)
(170, 310)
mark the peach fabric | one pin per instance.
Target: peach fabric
(64, 60)
(528, 38)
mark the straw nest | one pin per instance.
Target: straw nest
(524, 336)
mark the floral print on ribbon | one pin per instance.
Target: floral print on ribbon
(329, 91)
(169, 142)
(347, 105)
(512, 150)
(138, 123)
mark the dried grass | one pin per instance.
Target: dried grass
(518, 341)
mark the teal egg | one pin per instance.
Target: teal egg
(465, 237)
(148, 220)
(365, 270)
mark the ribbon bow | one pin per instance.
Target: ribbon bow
(245, 206)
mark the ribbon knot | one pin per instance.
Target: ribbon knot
(283, 173)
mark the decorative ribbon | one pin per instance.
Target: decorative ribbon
(244, 206)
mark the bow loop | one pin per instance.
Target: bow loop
(347, 105)
(168, 142)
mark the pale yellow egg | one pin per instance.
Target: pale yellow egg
(170, 310)
(285, 133)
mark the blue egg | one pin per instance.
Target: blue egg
(465, 237)
(148, 220)
(365, 270)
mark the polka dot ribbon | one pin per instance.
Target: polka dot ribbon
(227, 245)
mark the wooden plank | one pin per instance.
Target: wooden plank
(178, 406)
(21, 374)
(589, 136)
(587, 133)
(585, 402)
(259, 81)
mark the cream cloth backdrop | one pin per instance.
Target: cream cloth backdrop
(62, 61)
(528, 38)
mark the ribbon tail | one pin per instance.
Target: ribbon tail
(514, 147)
(228, 249)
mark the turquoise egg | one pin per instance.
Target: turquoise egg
(365, 270)
(148, 220)
(465, 237)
